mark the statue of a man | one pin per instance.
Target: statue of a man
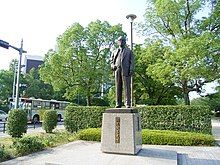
(122, 63)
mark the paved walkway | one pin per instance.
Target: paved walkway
(216, 129)
(88, 153)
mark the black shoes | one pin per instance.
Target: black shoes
(118, 106)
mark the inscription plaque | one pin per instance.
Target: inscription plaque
(117, 129)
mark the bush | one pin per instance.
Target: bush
(58, 137)
(90, 134)
(41, 114)
(17, 123)
(164, 137)
(157, 137)
(49, 120)
(27, 145)
(4, 155)
(81, 117)
(179, 118)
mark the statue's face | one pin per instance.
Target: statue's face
(121, 42)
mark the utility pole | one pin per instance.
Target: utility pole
(6, 45)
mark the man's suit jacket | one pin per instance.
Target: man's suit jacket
(127, 61)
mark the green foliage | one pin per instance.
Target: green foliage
(17, 123)
(149, 91)
(100, 102)
(179, 118)
(41, 113)
(6, 81)
(79, 65)
(164, 137)
(90, 134)
(184, 48)
(76, 118)
(49, 120)
(14, 147)
(27, 145)
(36, 87)
(4, 154)
(157, 137)
(56, 138)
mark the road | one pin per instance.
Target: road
(31, 128)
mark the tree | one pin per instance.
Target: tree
(36, 87)
(80, 65)
(150, 91)
(180, 52)
(6, 80)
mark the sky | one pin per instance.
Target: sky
(40, 22)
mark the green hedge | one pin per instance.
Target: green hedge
(165, 137)
(157, 137)
(81, 117)
(180, 118)
(17, 123)
(49, 120)
(90, 134)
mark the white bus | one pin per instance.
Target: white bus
(33, 107)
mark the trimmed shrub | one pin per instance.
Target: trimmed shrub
(17, 123)
(4, 154)
(81, 117)
(49, 120)
(164, 137)
(179, 118)
(157, 137)
(90, 134)
(41, 114)
(27, 145)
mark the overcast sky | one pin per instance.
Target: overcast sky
(40, 22)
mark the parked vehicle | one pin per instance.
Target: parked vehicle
(3, 115)
(33, 107)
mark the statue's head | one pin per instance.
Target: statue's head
(122, 41)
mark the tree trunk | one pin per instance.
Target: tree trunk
(185, 92)
(88, 100)
(186, 98)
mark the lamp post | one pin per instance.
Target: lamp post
(6, 45)
(131, 17)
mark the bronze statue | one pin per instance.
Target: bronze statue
(122, 63)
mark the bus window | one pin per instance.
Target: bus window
(37, 104)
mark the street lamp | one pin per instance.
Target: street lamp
(6, 45)
(131, 17)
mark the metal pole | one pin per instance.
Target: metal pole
(131, 17)
(18, 76)
(132, 75)
(14, 84)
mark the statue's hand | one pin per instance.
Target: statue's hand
(131, 73)
(113, 67)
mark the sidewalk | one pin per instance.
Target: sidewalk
(216, 129)
(89, 153)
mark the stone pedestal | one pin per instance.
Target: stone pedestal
(121, 131)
